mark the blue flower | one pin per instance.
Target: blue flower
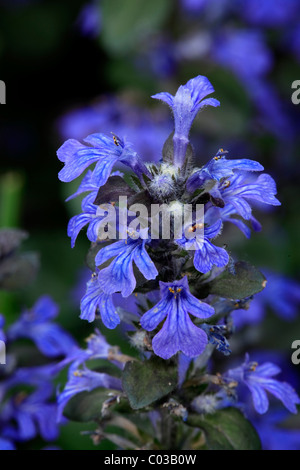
(36, 324)
(178, 332)
(119, 276)
(84, 380)
(215, 334)
(219, 167)
(103, 150)
(272, 432)
(94, 299)
(28, 414)
(227, 214)
(185, 105)
(97, 348)
(231, 48)
(237, 190)
(259, 380)
(206, 254)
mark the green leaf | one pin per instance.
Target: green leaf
(91, 254)
(168, 154)
(226, 429)
(133, 182)
(168, 150)
(87, 406)
(244, 281)
(125, 24)
(146, 382)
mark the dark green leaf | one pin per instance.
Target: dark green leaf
(146, 382)
(133, 182)
(226, 429)
(126, 23)
(168, 150)
(168, 153)
(245, 280)
(10, 240)
(87, 406)
(90, 257)
(17, 271)
(110, 192)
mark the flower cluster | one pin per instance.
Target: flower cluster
(27, 393)
(227, 189)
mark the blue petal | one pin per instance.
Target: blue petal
(259, 396)
(78, 163)
(179, 334)
(199, 87)
(267, 369)
(164, 96)
(93, 229)
(241, 206)
(51, 340)
(214, 230)
(68, 149)
(45, 309)
(76, 223)
(45, 417)
(87, 184)
(208, 256)
(196, 307)
(108, 312)
(209, 102)
(103, 169)
(118, 276)
(110, 251)
(94, 298)
(26, 427)
(88, 205)
(90, 300)
(151, 319)
(284, 392)
(85, 380)
(145, 263)
(102, 141)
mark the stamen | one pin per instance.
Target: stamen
(253, 366)
(193, 228)
(116, 140)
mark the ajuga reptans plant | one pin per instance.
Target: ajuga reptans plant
(184, 288)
